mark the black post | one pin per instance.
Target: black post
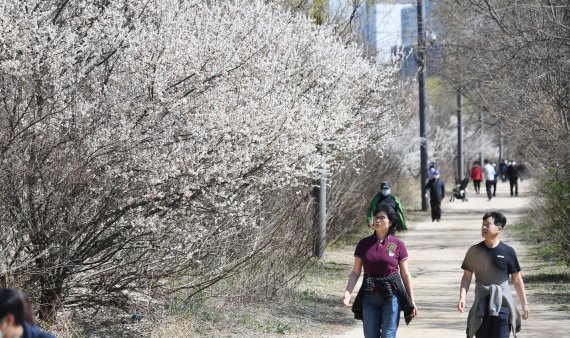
(501, 144)
(481, 156)
(322, 218)
(422, 94)
(460, 162)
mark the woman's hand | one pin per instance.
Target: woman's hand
(415, 311)
(347, 298)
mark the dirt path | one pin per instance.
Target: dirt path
(436, 251)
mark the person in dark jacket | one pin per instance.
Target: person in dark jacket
(16, 316)
(513, 175)
(436, 189)
(503, 170)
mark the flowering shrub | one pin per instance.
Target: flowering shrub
(140, 140)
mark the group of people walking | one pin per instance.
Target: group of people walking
(490, 172)
(387, 287)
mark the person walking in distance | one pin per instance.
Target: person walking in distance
(436, 189)
(476, 175)
(494, 313)
(503, 170)
(489, 173)
(385, 197)
(513, 175)
(495, 178)
(387, 285)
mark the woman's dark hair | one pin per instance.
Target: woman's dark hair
(13, 301)
(392, 217)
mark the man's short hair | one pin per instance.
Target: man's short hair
(498, 219)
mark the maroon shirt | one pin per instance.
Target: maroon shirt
(381, 258)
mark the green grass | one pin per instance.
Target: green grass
(544, 249)
(551, 282)
(312, 308)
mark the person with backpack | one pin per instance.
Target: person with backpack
(385, 197)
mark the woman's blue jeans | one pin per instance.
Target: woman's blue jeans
(380, 317)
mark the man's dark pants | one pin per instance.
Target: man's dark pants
(514, 182)
(488, 186)
(435, 209)
(495, 327)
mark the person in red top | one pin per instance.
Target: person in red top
(477, 176)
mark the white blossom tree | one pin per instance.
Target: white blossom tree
(139, 140)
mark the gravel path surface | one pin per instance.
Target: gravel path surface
(436, 251)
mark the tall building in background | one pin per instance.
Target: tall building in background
(366, 17)
(389, 27)
(434, 31)
(409, 17)
(409, 20)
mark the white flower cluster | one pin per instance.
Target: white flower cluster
(168, 115)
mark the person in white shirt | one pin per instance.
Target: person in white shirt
(489, 173)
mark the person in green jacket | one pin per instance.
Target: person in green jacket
(385, 197)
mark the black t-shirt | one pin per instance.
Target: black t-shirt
(491, 265)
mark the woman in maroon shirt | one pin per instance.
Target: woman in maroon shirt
(387, 281)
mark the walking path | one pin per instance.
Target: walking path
(436, 251)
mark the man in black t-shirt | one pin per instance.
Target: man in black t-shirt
(494, 313)
(491, 265)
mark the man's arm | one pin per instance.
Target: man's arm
(521, 292)
(464, 287)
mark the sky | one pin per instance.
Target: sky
(388, 23)
(388, 28)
